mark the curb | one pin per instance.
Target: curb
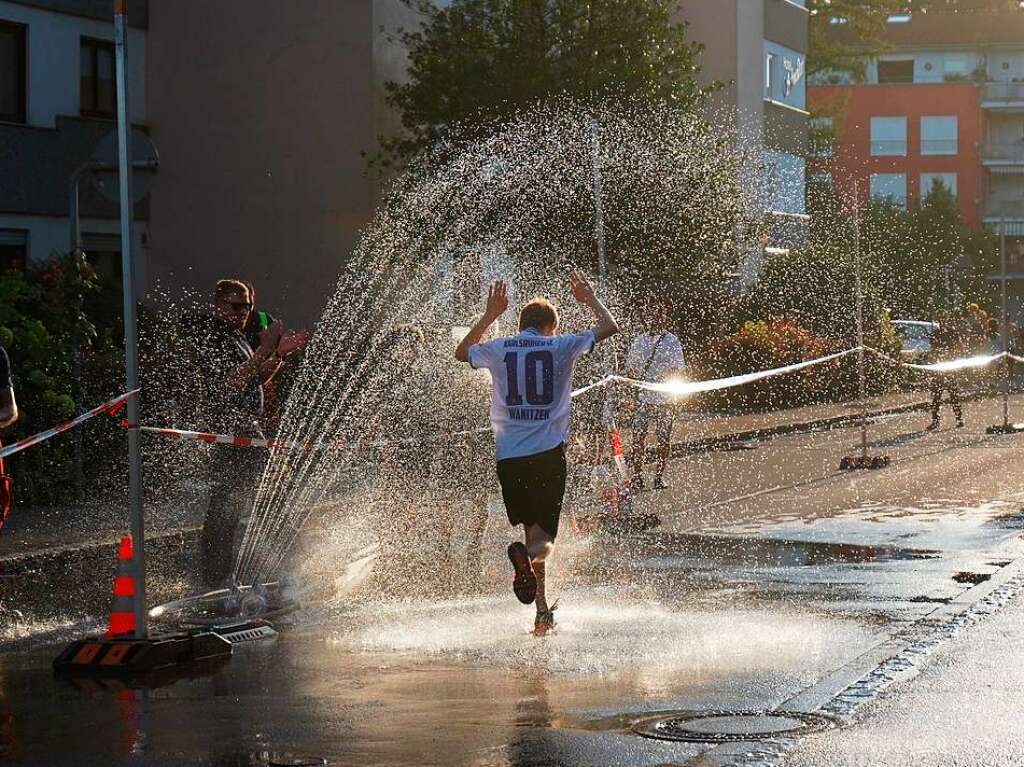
(918, 638)
(687, 447)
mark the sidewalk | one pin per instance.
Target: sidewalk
(963, 709)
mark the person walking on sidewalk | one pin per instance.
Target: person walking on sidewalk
(531, 374)
(655, 355)
(948, 342)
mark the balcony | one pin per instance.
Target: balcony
(1012, 210)
(1003, 96)
(1003, 154)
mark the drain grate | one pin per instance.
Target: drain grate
(728, 726)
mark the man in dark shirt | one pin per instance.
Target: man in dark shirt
(229, 377)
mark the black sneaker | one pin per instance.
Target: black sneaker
(545, 622)
(960, 424)
(659, 484)
(524, 584)
(933, 425)
(637, 483)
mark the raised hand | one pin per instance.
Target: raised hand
(291, 342)
(582, 290)
(497, 299)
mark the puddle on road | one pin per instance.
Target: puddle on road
(663, 551)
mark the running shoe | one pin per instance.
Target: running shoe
(524, 585)
(933, 426)
(545, 622)
(636, 484)
(659, 484)
(960, 424)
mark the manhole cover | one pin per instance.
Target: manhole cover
(725, 726)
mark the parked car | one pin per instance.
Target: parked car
(915, 337)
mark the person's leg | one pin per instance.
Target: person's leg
(539, 545)
(218, 536)
(640, 426)
(936, 387)
(511, 475)
(665, 422)
(954, 400)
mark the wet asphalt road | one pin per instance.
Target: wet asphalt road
(771, 571)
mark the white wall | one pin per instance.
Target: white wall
(53, 61)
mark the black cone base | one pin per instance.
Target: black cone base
(863, 462)
(114, 656)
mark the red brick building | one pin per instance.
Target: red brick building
(944, 101)
(895, 140)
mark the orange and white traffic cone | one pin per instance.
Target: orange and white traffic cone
(122, 612)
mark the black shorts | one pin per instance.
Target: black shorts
(532, 487)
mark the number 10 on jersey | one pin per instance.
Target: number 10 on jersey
(533, 376)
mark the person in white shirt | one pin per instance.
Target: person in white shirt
(531, 374)
(655, 355)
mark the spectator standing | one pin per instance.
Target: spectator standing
(231, 374)
(950, 340)
(655, 355)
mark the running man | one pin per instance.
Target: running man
(532, 385)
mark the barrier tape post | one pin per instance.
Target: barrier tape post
(863, 461)
(1006, 427)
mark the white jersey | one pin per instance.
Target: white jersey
(532, 388)
(652, 356)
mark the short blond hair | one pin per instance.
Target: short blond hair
(538, 313)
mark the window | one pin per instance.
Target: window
(822, 137)
(938, 135)
(888, 136)
(928, 180)
(955, 66)
(769, 75)
(96, 80)
(901, 71)
(890, 186)
(12, 72)
(13, 249)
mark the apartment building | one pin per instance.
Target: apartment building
(756, 50)
(57, 101)
(943, 103)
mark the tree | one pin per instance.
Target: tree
(843, 34)
(477, 62)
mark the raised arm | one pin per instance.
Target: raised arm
(497, 303)
(583, 292)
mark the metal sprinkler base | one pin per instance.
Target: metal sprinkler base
(863, 462)
(1009, 428)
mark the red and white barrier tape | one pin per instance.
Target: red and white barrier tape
(110, 408)
(674, 388)
(219, 439)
